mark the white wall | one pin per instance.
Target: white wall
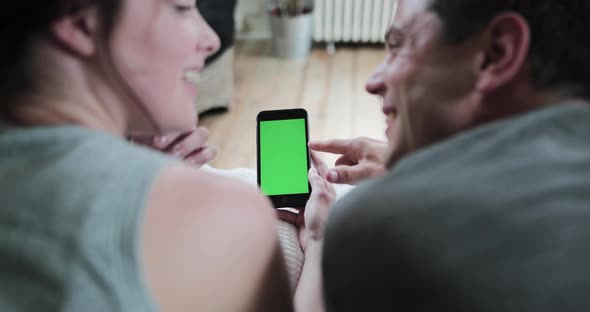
(250, 6)
(251, 19)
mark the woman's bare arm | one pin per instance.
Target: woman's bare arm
(210, 244)
(309, 294)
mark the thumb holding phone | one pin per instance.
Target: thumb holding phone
(317, 209)
(312, 218)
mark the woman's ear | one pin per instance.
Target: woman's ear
(505, 50)
(77, 32)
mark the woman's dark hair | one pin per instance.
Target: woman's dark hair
(21, 21)
(559, 55)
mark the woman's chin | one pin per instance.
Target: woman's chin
(187, 117)
(180, 124)
(181, 127)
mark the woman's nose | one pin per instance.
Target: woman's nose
(208, 40)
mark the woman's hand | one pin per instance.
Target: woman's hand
(311, 220)
(189, 146)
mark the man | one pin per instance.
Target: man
(485, 203)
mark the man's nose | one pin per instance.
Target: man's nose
(376, 82)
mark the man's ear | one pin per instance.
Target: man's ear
(77, 32)
(505, 49)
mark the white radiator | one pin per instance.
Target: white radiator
(352, 20)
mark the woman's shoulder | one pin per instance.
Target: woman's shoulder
(188, 185)
(205, 224)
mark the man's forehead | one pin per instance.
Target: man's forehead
(407, 11)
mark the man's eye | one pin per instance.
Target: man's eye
(184, 8)
(392, 46)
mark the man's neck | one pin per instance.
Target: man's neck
(515, 101)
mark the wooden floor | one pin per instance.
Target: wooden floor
(329, 87)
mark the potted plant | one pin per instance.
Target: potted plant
(291, 23)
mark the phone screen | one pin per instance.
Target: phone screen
(283, 157)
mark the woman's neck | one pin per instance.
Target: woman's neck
(84, 111)
(69, 91)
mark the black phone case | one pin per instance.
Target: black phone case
(291, 200)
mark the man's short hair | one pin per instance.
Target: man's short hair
(559, 56)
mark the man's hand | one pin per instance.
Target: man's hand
(362, 159)
(190, 146)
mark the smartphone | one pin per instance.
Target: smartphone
(283, 156)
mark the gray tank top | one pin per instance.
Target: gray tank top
(71, 203)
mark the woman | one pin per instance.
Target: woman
(92, 223)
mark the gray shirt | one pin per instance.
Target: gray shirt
(495, 219)
(71, 202)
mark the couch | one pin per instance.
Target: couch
(217, 79)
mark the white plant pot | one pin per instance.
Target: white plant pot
(292, 35)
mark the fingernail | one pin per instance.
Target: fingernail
(333, 176)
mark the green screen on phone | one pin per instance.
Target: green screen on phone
(283, 157)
